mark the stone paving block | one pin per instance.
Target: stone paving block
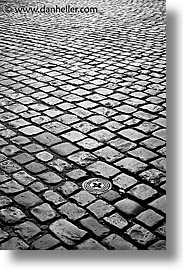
(50, 178)
(4, 201)
(89, 143)
(143, 154)
(40, 119)
(161, 230)
(83, 198)
(9, 150)
(160, 164)
(131, 134)
(113, 126)
(159, 204)
(110, 196)
(47, 139)
(160, 134)
(124, 181)
(102, 135)
(82, 158)
(4, 177)
(142, 191)
(55, 127)
(23, 158)
(23, 178)
(116, 242)
(44, 156)
(11, 215)
(159, 245)
(3, 235)
(154, 176)
(60, 165)
(38, 187)
(84, 127)
(35, 167)
(128, 207)
(90, 244)
(103, 169)
(64, 149)
(46, 242)
(67, 232)
(94, 226)
(33, 148)
(31, 130)
(74, 136)
(149, 217)
(27, 199)
(97, 119)
(152, 143)
(72, 211)
(43, 212)
(18, 123)
(117, 221)
(11, 187)
(9, 166)
(100, 208)
(140, 234)
(27, 230)
(68, 119)
(68, 188)
(132, 165)
(54, 197)
(77, 174)
(109, 154)
(14, 244)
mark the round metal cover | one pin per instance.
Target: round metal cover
(97, 186)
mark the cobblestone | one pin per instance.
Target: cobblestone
(90, 244)
(140, 234)
(80, 99)
(27, 199)
(11, 215)
(72, 211)
(67, 232)
(83, 198)
(149, 217)
(27, 230)
(94, 226)
(14, 244)
(116, 220)
(116, 242)
(100, 208)
(128, 207)
(45, 242)
(11, 187)
(43, 212)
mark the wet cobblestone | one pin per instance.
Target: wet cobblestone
(81, 97)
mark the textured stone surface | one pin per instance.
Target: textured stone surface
(43, 212)
(116, 242)
(11, 215)
(83, 96)
(27, 230)
(90, 244)
(72, 211)
(14, 244)
(67, 232)
(94, 226)
(45, 242)
(100, 208)
(128, 207)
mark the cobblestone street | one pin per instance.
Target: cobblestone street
(83, 96)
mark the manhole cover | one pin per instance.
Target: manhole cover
(97, 186)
